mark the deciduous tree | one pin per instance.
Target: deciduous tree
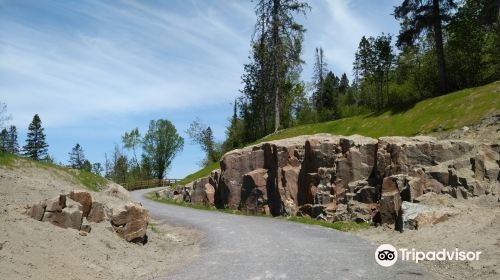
(161, 144)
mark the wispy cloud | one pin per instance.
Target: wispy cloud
(93, 69)
(130, 58)
(340, 24)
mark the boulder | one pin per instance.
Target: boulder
(117, 191)
(486, 164)
(97, 213)
(37, 210)
(130, 221)
(178, 198)
(84, 198)
(203, 193)
(69, 217)
(417, 216)
(390, 209)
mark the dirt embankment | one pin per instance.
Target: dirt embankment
(475, 228)
(31, 249)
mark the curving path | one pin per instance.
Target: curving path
(248, 247)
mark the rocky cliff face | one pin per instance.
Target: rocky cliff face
(348, 178)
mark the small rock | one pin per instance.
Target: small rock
(83, 233)
(85, 227)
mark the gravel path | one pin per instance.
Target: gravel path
(248, 247)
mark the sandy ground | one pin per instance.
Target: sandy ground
(476, 228)
(30, 249)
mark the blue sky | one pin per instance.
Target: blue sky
(95, 69)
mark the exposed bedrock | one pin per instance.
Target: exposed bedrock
(348, 178)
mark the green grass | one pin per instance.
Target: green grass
(199, 174)
(153, 228)
(6, 160)
(87, 179)
(340, 225)
(451, 111)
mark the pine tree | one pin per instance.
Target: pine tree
(344, 84)
(36, 147)
(4, 140)
(76, 157)
(13, 146)
(276, 49)
(421, 16)
(373, 64)
(320, 71)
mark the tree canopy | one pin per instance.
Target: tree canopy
(160, 145)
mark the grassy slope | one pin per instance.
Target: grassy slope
(449, 111)
(87, 179)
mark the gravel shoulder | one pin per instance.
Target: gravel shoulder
(30, 249)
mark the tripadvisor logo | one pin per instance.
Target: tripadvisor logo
(386, 255)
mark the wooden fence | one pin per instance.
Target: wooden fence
(152, 183)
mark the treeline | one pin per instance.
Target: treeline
(36, 147)
(442, 46)
(158, 147)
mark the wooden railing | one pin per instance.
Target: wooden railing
(152, 183)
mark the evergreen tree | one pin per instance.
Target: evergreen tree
(4, 140)
(76, 157)
(235, 132)
(373, 64)
(328, 98)
(97, 168)
(320, 70)
(344, 84)
(13, 146)
(36, 147)
(276, 49)
(87, 165)
(425, 16)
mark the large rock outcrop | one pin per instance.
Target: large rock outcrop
(354, 177)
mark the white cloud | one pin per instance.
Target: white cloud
(162, 61)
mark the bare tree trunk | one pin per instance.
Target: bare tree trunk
(438, 38)
(277, 63)
(276, 109)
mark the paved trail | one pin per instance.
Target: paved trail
(246, 247)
